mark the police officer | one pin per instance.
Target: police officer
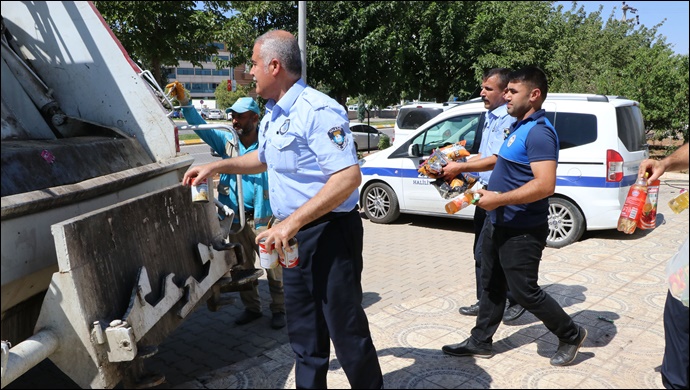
(306, 145)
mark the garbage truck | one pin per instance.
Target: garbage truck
(104, 254)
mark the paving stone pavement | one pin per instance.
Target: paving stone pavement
(418, 272)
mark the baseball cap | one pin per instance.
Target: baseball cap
(245, 104)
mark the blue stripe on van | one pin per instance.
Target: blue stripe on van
(566, 181)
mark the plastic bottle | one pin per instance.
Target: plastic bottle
(648, 217)
(460, 202)
(634, 204)
(680, 202)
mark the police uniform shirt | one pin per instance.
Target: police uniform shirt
(304, 138)
(496, 128)
(531, 140)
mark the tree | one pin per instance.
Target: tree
(388, 51)
(225, 99)
(159, 33)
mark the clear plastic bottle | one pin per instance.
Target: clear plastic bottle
(680, 202)
(648, 217)
(634, 204)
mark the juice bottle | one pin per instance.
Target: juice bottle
(648, 217)
(680, 202)
(634, 204)
(460, 202)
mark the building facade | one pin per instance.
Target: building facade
(202, 81)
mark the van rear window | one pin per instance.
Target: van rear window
(631, 128)
(413, 117)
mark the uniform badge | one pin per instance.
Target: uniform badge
(506, 132)
(284, 128)
(511, 140)
(337, 136)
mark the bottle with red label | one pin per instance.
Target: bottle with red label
(648, 217)
(634, 204)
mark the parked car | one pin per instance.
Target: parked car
(602, 142)
(215, 114)
(366, 137)
(413, 115)
(203, 112)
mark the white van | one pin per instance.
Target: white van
(602, 142)
(413, 115)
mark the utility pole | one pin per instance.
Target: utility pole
(302, 35)
(632, 10)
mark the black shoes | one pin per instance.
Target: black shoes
(278, 320)
(470, 310)
(566, 353)
(513, 312)
(468, 348)
(247, 317)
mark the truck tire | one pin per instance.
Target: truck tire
(380, 203)
(566, 223)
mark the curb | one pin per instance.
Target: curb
(191, 142)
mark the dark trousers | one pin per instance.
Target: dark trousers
(511, 260)
(674, 368)
(479, 220)
(323, 300)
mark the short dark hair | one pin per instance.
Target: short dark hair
(502, 74)
(533, 76)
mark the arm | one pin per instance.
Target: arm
(336, 190)
(475, 164)
(248, 163)
(677, 161)
(543, 185)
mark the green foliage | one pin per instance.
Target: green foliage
(388, 51)
(384, 141)
(225, 98)
(361, 108)
(158, 33)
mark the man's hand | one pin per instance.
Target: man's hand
(451, 171)
(489, 200)
(195, 175)
(176, 90)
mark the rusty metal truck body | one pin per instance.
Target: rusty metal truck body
(103, 252)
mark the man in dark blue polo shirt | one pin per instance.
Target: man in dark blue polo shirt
(524, 176)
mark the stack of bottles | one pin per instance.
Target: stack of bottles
(633, 206)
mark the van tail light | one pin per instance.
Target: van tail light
(614, 166)
(177, 140)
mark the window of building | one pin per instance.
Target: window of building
(185, 71)
(221, 72)
(220, 46)
(202, 72)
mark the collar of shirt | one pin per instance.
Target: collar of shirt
(287, 101)
(535, 116)
(497, 112)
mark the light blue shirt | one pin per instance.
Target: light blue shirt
(254, 186)
(304, 138)
(496, 127)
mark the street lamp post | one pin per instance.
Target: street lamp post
(302, 35)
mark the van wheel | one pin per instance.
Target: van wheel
(566, 223)
(381, 203)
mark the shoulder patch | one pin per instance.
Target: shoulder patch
(337, 136)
